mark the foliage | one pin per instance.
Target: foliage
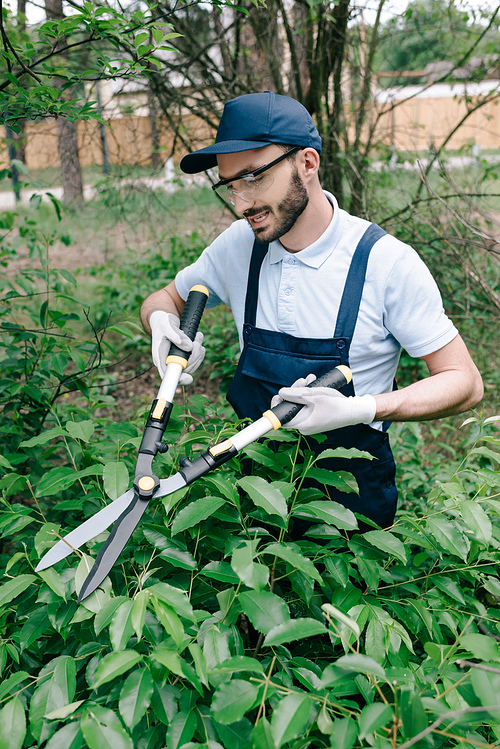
(218, 627)
(431, 31)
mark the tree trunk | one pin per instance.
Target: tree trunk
(71, 173)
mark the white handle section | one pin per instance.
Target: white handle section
(170, 381)
(253, 431)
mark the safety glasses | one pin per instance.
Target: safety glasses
(248, 186)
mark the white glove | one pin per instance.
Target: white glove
(326, 409)
(165, 330)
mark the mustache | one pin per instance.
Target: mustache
(256, 211)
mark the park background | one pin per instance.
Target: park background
(211, 630)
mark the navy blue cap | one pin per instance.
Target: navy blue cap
(256, 120)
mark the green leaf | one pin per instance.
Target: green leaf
(44, 437)
(361, 664)
(14, 588)
(264, 495)
(5, 463)
(99, 597)
(295, 629)
(335, 613)
(262, 737)
(412, 714)
(175, 598)
(61, 478)
(181, 729)
(199, 661)
(344, 452)
(139, 612)
(52, 694)
(344, 734)
(68, 737)
(81, 430)
(113, 665)
(330, 512)
(252, 574)
(294, 558)
(135, 696)
(12, 725)
(237, 735)
(341, 480)
(221, 571)
(215, 648)
(289, 718)
(477, 520)
(34, 627)
(239, 663)
(387, 542)
(375, 646)
(169, 658)
(486, 685)
(177, 557)
(10, 684)
(63, 712)
(481, 646)
(195, 513)
(448, 537)
(121, 629)
(116, 479)
(232, 700)
(102, 729)
(64, 678)
(265, 610)
(55, 582)
(105, 615)
(373, 717)
(169, 620)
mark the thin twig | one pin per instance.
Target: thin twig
(447, 716)
(469, 664)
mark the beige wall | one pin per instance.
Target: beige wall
(418, 123)
(128, 141)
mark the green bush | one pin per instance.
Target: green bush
(217, 627)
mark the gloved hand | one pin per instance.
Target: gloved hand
(325, 409)
(165, 330)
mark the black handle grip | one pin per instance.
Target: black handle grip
(336, 378)
(191, 316)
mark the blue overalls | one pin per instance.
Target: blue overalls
(271, 360)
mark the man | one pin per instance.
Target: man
(311, 287)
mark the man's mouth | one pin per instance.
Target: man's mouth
(257, 218)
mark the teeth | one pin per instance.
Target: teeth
(259, 218)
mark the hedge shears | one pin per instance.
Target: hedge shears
(126, 511)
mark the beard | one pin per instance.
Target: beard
(286, 213)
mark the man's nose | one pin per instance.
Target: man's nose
(242, 204)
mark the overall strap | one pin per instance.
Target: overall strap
(353, 289)
(259, 252)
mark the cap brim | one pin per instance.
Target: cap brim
(206, 158)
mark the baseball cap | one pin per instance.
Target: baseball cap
(256, 120)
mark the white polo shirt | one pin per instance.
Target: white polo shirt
(300, 294)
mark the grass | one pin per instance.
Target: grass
(120, 223)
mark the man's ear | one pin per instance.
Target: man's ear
(308, 163)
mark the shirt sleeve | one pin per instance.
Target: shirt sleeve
(413, 307)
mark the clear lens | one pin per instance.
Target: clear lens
(246, 188)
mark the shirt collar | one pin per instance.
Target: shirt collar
(316, 253)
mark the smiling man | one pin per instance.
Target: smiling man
(311, 287)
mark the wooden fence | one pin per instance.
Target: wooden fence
(415, 124)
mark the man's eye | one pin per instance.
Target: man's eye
(251, 181)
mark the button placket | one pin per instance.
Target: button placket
(286, 298)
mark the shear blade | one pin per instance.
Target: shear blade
(86, 531)
(120, 534)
